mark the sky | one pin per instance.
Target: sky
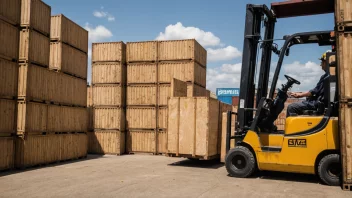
(217, 25)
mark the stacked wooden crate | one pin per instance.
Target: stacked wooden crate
(343, 18)
(151, 67)
(9, 37)
(51, 113)
(108, 94)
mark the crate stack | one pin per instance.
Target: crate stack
(51, 111)
(151, 67)
(343, 18)
(109, 93)
(9, 37)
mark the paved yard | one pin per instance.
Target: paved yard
(155, 176)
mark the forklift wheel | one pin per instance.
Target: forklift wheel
(240, 162)
(329, 169)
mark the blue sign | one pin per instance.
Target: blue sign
(227, 92)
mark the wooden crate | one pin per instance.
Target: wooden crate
(141, 117)
(10, 11)
(7, 116)
(68, 60)
(90, 119)
(34, 47)
(42, 85)
(142, 51)
(188, 71)
(141, 141)
(343, 12)
(65, 30)
(36, 14)
(109, 73)
(109, 52)
(194, 90)
(345, 117)
(164, 94)
(9, 39)
(109, 118)
(110, 95)
(7, 154)
(46, 149)
(344, 43)
(9, 79)
(222, 141)
(182, 50)
(89, 96)
(139, 95)
(106, 142)
(162, 118)
(192, 129)
(141, 73)
(162, 142)
(177, 88)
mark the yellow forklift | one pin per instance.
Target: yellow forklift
(310, 142)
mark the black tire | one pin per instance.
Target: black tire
(240, 162)
(329, 169)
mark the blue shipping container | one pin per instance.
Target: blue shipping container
(225, 94)
(225, 99)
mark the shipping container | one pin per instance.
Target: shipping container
(141, 95)
(182, 50)
(67, 119)
(9, 40)
(65, 30)
(141, 141)
(188, 71)
(68, 60)
(142, 51)
(109, 52)
(192, 129)
(343, 12)
(162, 142)
(111, 95)
(7, 116)
(141, 117)
(7, 154)
(194, 90)
(42, 85)
(106, 142)
(109, 73)
(32, 118)
(34, 47)
(36, 15)
(162, 118)
(142, 73)
(8, 79)
(45, 149)
(10, 11)
(109, 118)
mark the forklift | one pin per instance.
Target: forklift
(310, 142)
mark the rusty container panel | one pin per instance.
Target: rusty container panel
(109, 95)
(9, 39)
(7, 116)
(36, 15)
(67, 119)
(141, 95)
(10, 11)
(109, 52)
(7, 154)
(43, 149)
(141, 73)
(67, 59)
(8, 79)
(142, 51)
(141, 117)
(188, 71)
(108, 73)
(106, 142)
(141, 141)
(109, 118)
(182, 50)
(34, 47)
(65, 30)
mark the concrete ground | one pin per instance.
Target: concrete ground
(155, 176)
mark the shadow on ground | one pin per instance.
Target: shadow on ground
(194, 163)
(15, 171)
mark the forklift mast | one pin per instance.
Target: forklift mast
(255, 15)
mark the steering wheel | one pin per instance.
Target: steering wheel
(292, 80)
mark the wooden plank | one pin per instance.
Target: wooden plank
(173, 125)
(187, 125)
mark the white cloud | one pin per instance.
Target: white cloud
(178, 31)
(226, 76)
(223, 54)
(98, 34)
(100, 14)
(111, 18)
